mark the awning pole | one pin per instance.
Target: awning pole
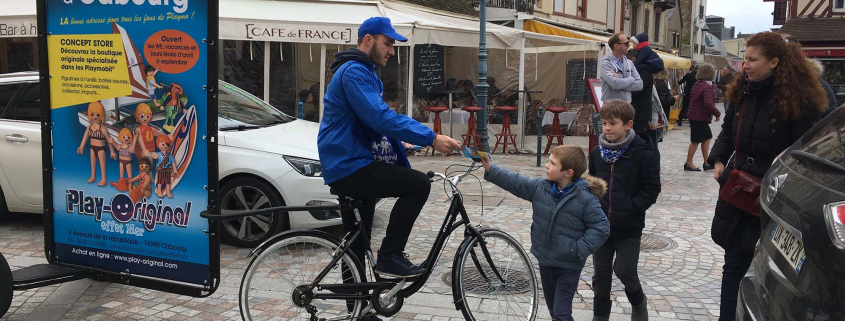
(323, 83)
(409, 104)
(266, 71)
(521, 106)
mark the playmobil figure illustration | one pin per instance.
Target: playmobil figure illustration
(172, 105)
(144, 179)
(145, 134)
(124, 143)
(152, 85)
(165, 167)
(99, 140)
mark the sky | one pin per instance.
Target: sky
(749, 16)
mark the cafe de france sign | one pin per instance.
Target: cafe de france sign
(288, 32)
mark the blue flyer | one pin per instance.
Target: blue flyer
(129, 111)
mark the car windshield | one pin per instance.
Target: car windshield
(236, 107)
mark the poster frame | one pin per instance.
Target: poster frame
(210, 138)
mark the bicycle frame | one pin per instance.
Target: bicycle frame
(447, 228)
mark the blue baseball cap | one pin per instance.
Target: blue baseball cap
(379, 26)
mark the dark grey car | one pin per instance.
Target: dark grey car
(799, 264)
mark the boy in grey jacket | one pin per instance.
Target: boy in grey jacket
(618, 75)
(568, 223)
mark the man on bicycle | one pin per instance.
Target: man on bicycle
(362, 149)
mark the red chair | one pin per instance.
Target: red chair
(437, 129)
(506, 138)
(471, 138)
(555, 133)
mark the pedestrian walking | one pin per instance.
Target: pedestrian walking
(702, 109)
(629, 166)
(766, 113)
(567, 225)
(668, 97)
(687, 82)
(618, 74)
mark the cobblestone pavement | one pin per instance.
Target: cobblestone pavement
(681, 281)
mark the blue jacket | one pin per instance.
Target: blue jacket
(355, 117)
(647, 59)
(563, 233)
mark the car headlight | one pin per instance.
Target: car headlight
(306, 167)
(834, 215)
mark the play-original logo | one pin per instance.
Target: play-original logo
(123, 210)
(180, 6)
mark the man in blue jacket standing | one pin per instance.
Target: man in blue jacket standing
(361, 146)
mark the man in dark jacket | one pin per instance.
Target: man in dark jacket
(725, 79)
(687, 82)
(360, 147)
(630, 168)
(641, 99)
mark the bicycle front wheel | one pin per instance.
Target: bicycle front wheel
(486, 296)
(271, 281)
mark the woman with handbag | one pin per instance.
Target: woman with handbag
(773, 102)
(702, 109)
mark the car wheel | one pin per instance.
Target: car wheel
(247, 193)
(6, 287)
(4, 211)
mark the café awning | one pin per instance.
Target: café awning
(669, 60)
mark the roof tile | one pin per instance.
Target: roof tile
(815, 29)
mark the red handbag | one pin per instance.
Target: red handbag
(742, 189)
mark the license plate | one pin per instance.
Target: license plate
(790, 246)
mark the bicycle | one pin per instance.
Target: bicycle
(302, 271)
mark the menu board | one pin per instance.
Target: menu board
(428, 70)
(577, 90)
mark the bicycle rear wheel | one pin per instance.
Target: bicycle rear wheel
(270, 281)
(483, 295)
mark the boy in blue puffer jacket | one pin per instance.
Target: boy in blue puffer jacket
(647, 59)
(568, 223)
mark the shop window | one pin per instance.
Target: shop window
(6, 94)
(558, 6)
(28, 106)
(394, 76)
(834, 74)
(283, 76)
(839, 5)
(242, 65)
(647, 17)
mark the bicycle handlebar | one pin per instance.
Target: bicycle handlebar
(455, 180)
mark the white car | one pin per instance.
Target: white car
(266, 158)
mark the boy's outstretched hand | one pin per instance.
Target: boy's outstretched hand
(486, 161)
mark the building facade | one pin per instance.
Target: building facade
(818, 25)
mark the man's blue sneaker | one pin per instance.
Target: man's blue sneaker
(396, 265)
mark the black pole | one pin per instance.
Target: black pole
(481, 97)
(539, 133)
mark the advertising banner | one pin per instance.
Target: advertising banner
(129, 109)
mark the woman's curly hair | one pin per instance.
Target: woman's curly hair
(797, 88)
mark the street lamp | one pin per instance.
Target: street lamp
(481, 97)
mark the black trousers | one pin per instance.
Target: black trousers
(559, 286)
(627, 252)
(380, 180)
(739, 252)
